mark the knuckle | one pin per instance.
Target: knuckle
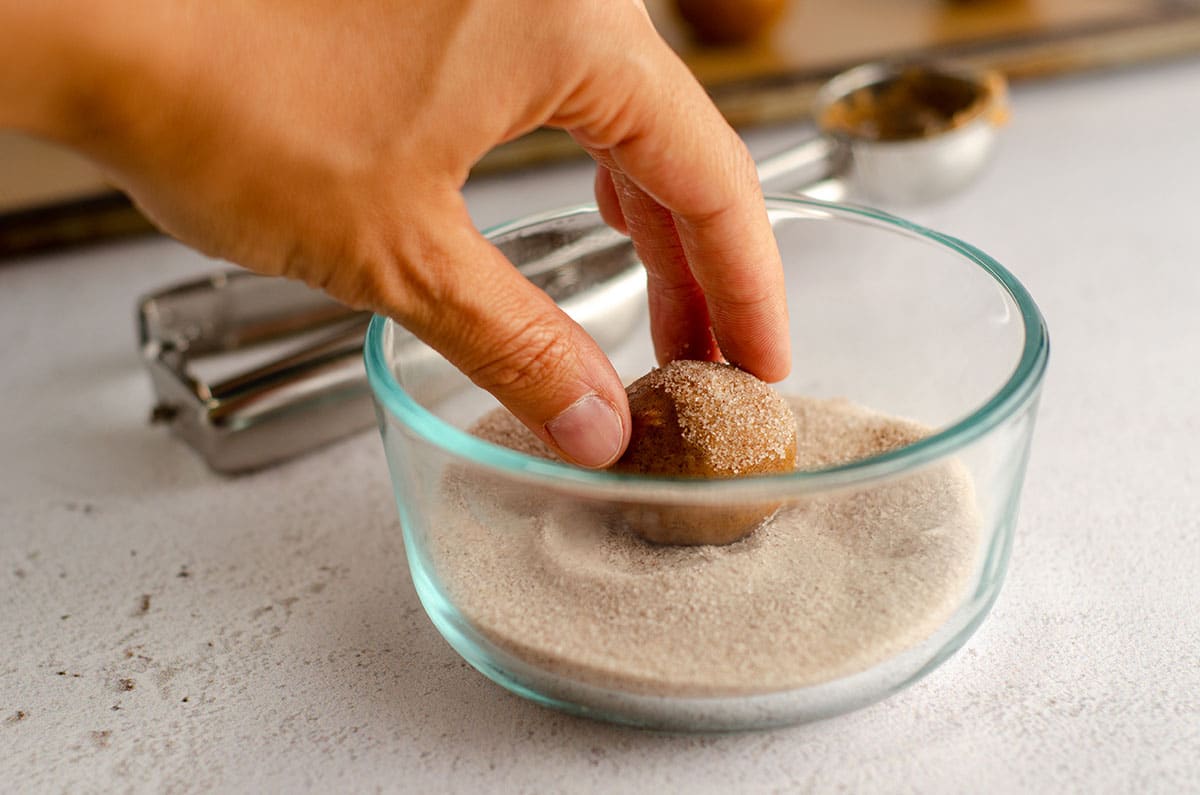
(379, 272)
(532, 357)
(740, 304)
(675, 291)
(352, 268)
(610, 101)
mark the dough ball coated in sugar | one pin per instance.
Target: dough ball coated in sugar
(695, 419)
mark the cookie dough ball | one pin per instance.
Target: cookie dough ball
(704, 420)
(730, 21)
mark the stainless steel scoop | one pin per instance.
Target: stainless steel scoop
(902, 170)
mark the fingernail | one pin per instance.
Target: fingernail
(589, 431)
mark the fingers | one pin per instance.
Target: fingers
(679, 320)
(509, 337)
(657, 127)
(607, 200)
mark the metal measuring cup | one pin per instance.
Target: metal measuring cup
(905, 163)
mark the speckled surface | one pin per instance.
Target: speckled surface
(167, 629)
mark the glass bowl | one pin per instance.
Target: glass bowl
(872, 572)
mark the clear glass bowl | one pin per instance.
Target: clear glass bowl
(886, 314)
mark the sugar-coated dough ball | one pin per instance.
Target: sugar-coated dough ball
(704, 420)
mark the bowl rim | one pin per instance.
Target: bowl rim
(1018, 390)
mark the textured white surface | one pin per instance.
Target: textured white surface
(283, 647)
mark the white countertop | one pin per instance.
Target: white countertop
(284, 649)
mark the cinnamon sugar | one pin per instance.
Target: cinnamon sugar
(832, 586)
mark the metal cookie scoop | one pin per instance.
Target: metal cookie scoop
(896, 133)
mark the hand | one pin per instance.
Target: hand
(330, 141)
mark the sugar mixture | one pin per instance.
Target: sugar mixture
(831, 586)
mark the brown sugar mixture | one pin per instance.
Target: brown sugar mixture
(831, 586)
(917, 103)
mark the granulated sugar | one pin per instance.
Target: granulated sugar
(830, 587)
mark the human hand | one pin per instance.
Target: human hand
(330, 141)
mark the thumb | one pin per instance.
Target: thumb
(470, 304)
